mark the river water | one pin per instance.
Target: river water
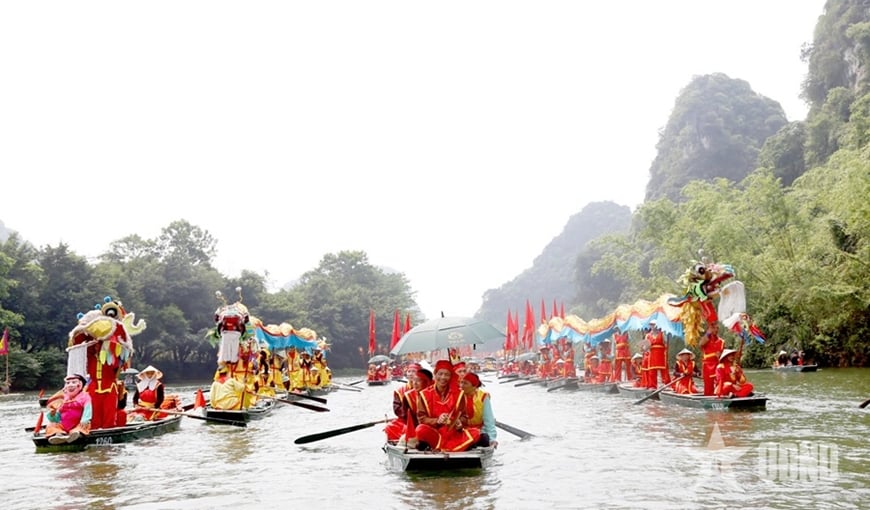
(809, 449)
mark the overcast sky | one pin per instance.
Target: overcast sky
(448, 140)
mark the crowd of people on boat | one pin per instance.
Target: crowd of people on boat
(784, 359)
(719, 371)
(442, 408)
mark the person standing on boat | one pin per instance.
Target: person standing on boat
(622, 360)
(438, 408)
(477, 405)
(70, 418)
(588, 353)
(658, 350)
(605, 365)
(149, 393)
(711, 351)
(294, 370)
(731, 381)
(684, 369)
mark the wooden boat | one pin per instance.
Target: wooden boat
(699, 401)
(381, 382)
(628, 389)
(598, 387)
(569, 383)
(255, 412)
(108, 437)
(797, 368)
(401, 458)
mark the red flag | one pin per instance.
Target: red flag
(407, 324)
(372, 343)
(199, 400)
(4, 342)
(562, 311)
(543, 312)
(555, 309)
(38, 426)
(529, 327)
(515, 329)
(397, 330)
(508, 345)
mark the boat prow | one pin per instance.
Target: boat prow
(401, 458)
(797, 368)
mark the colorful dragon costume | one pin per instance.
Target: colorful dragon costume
(101, 346)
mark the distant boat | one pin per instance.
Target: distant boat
(797, 368)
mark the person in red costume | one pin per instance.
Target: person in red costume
(684, 369)
(396, 427)
(622, 361)
(636, 371)
(711, 350)
(438, 412)
(731, 381)
(658, 351)
(605, 365)
(149, 394)
(422, 380)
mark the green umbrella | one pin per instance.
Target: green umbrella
(446, 332)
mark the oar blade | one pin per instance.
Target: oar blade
(522, 434)
(332, 433)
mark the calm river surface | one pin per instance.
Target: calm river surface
(809, 449)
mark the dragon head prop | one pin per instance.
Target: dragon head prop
(110, 323)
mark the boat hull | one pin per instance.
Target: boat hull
(108, 437)
(403, 459)
(753, 403)
(632, 391)
(598, 388)
(797, 368)
(263, 408)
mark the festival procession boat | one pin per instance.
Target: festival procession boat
(699, 401)
(401, 458)
(110, 436)
(255, 412)
(100, 347)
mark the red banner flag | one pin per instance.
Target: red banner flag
(4, 342)
(372, 343)
(397, 330)
(199, 400)
(407, 324)
(529, 327)
(515, 329)
(555, 309)
(508, 344)
(543, 312)
(562, 311)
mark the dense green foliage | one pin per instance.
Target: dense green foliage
(170, 282)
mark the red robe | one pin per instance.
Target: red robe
(685, 385)
(711, 349)
(430, 405)
(623, 357)
(657, 359)
(730, 379)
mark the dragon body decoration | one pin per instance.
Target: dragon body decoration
(101, 345)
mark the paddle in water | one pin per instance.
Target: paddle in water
(864, 404)
(522, 434)
(195, 417)
(337, 432)
(656, 392)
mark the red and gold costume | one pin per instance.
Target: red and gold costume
(685, 370)
(657, 358)
(730, 379)
(711, 349)
(432, 403)
(623, 357)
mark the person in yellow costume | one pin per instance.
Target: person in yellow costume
(294, 370)
(320, 362)
(226, 391)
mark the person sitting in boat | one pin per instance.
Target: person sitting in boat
(477, 410)
(594, 377)
(121, 416)
(422, 379)
(796, 358)
(71, 417)
(636, 370)
(372, 373)
(397, 426)
(382, 373)
(148, 395)
(684, 369)
(314, 378)
(226, 391)
(781, 359)
(440, 428)
(731, 381)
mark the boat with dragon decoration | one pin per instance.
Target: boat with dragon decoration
(699, 401)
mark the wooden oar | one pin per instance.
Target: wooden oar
(303, 405)
(526, 383)
(356, 382)
(508, 376)
(522, 434)
(195, 417)
(309, 397)
(346, 387)
(337, 432)
(864, 404)
(656, 392)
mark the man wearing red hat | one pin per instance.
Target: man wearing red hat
(477, 405)
(422, 380)
(438, 411)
